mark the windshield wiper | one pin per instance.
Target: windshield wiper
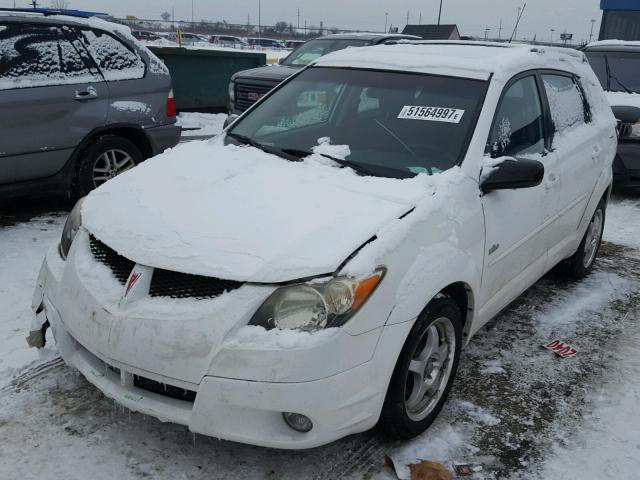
(358, 167)
(243, 139)
(611, 77)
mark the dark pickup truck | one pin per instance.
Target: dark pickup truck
(249, 86)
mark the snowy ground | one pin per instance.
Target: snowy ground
(200, 124)
(516, 411)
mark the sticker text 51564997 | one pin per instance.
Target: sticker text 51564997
(431, 114)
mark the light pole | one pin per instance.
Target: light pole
(193, 21)
(386, 19)
(515, 32)
(551, 41)
(486, 32)
(593, 22)
(259, 19)
(440, 12)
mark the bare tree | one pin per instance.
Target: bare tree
(166, 16)
(59, 4)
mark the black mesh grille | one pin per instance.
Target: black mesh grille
(164, 389)
(247, 95)
(166, 283)
(119, 265)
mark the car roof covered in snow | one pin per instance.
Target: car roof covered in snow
(368, 36)
(613, 45)
(478, 60)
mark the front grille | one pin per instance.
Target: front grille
(119, 265)
(244, 93)
(164, 389)
(166, 283)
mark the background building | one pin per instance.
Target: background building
(620, 20)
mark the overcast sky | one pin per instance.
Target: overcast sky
(472, 16)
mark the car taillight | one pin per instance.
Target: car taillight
(171, 105)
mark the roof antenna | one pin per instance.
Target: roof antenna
(515, 29)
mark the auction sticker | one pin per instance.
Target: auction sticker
(431, 114)
(561, 349)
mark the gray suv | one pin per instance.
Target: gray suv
(81, 102)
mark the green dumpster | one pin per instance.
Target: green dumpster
(201, 76)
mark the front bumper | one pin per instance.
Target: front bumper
(626, 165)
(164, 137)
(339, 384)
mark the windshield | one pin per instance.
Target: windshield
(617, 71)
(313, 49)
(395, 124)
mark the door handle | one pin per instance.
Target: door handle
(89, 94)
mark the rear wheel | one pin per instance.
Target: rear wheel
(581, 263)
(106, 158)
(424, 372)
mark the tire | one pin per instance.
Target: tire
(105, 158)
(581, 263)
(404, 414)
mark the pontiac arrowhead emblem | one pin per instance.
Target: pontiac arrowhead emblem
(132, 281)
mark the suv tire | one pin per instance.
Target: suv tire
(427, 361)
(105, 158)
(581, 263)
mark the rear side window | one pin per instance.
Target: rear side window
(116, 60)
(566, 102)
(518, 126)
(39, 55)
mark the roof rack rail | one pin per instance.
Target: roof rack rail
(47, 12)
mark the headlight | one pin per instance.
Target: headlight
(232, 91)
(314, 306)
(71, 227)
(630, 130)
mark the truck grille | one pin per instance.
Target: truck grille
(247, 95)
(164, 283)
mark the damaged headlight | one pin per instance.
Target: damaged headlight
(71, 227)
(316, 305)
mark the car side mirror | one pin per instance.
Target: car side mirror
(511, 174)
(230, 119)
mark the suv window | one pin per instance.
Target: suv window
(565, 101)
(39, 55)
(518, 127)
(116, 60)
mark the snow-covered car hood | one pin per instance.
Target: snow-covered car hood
(623, 99)
(238, 213)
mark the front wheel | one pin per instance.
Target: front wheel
(581, 263)
(424, 371)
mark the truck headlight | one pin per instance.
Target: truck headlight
(316, 305)
(71, 227)
(232, 91)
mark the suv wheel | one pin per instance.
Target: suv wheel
(104, 159)
(424, 372)
(581, 263)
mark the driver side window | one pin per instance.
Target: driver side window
(518, 126)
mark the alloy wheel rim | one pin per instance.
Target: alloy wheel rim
(592, 239)
(429, 369)
(110, 164)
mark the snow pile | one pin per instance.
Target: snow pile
(623, 99)
(622, 225)
(201, 124)
(593, 293)
(253, 336)
(609, 446)
(241, 214)
(131, 106)
(324, 147)
(22, 251)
